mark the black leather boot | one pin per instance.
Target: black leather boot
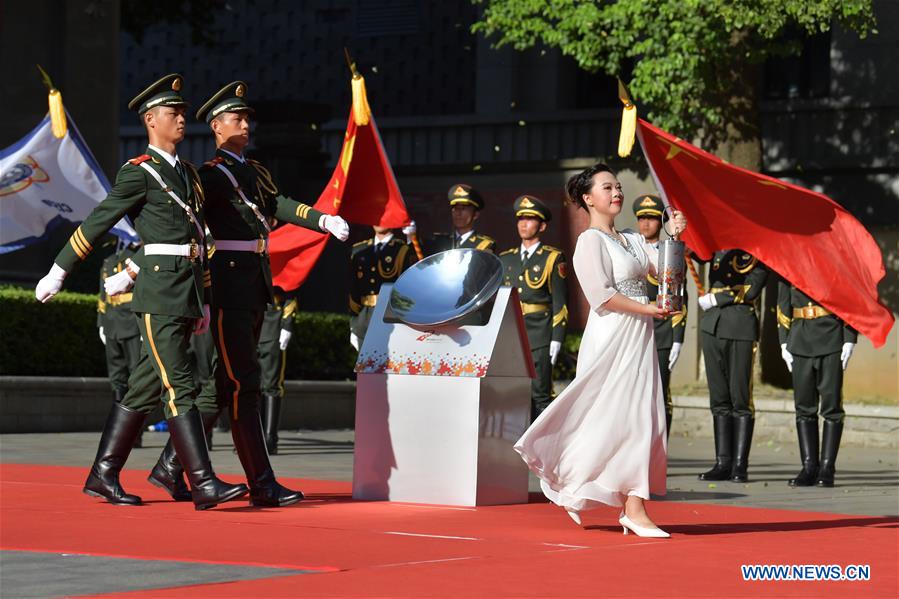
(668, 423)
(168, 474)
(830, 446)
(117, 396)
(743, 426)
(723, 427)
(250, 446)
(189, 441)
(271, 416)
(808, 452)
(123, 425)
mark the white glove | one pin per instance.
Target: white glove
(555, 347)
(335, 225)
(118, 283)
(201, 325)
(50, 284)
(848, 348)
(102, 336)
(788, 357)
(410, 229)
(707, 301)
(674, 354)
(284, 339)
(354, 341)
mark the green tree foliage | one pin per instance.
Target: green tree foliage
(694, 63)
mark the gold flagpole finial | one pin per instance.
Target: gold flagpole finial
(57, 111)
(628, 121)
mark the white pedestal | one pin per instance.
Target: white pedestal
(444, 437)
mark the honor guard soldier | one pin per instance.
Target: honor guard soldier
(118, 327)
(242, 201)
(729, 332)
(465, 207)
(375, 261)
(162, 196)
(274, 337)
(816, 345)
(669, 331)
(538, 271)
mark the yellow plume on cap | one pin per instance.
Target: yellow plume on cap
(57, 111)
(628, 121)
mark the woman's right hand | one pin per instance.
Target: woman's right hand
(656, 312)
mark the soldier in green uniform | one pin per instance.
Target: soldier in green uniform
(729, 332)
(465, 207)
(118, 328)
(816, 345)
(242, 202)
(538, 271)
(163, 197)
(274, 337)
(375, 261)
(669, 331)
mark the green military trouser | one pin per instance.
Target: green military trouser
(165, 358)
(819, 376)
(235, 383)
(272, 362)
(542, 384)
(728, 369)
(122, 357)
(202, 349)
(665, 374)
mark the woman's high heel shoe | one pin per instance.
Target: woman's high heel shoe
(575, 515)
(641, 531)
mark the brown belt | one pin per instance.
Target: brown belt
(370, 300)
(811, 312)
(527, 308)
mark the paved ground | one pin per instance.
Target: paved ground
(867, 479)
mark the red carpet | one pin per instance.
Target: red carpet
(381, 549)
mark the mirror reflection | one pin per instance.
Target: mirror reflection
(446, 286)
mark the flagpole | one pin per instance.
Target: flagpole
(351, 65)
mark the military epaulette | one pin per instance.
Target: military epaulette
(139, 159)
(550, 248)
(483, 237)
(214, 161)
(362, 243)
(509, 251)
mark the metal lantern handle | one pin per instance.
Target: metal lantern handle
(665, 223)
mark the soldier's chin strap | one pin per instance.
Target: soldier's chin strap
(243, 196)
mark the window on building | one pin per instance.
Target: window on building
(805, 75)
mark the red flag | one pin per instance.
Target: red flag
(804, 236)
(362, 189)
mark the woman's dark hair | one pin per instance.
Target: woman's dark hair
(581, 184)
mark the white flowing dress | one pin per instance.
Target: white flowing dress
(603, 438)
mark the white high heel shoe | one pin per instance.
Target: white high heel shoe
(576, 516)
(641, 531)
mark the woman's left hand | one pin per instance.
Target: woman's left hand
(679, 221)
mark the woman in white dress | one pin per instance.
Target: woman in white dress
(602, 440)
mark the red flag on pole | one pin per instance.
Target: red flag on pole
(804, 236)
(362, 189)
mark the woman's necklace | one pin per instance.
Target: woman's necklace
(619, 239)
